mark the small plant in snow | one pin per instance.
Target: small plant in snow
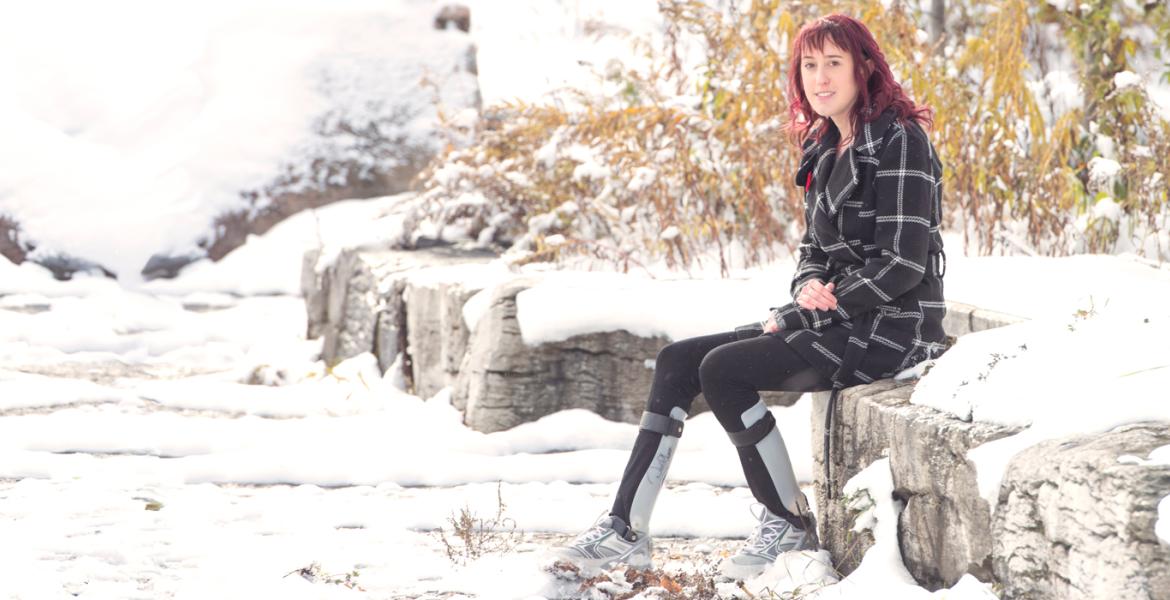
(860, 505)
(473, 537)
(1083, 314)
(314, 574)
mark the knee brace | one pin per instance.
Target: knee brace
(647, 493)
(761, 432)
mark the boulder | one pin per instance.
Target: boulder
(352, 305)
(358, 301)
(1071, 521)
(944, 528)
(437, 336)
(1075, 522)
(11, 246)
(503, 382)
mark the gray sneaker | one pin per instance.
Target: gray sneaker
(608, 542)
(772, 537)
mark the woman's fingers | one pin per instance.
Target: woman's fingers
(832, 298)
(816, 295)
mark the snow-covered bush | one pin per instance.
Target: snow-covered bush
(682, 161)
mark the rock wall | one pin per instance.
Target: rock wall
(437, 337)
(1074, 522)
(394, 302)
(1070, 520)
(503, 382)
(358, 303)
(962, 319)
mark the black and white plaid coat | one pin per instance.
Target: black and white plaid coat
(872, 228)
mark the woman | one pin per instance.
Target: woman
(868, 298)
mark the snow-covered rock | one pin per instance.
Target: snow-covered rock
(944, 531)
(358, 301)
(1075, 522)
(453, 316)
(1071, 520)
(504, 382)
(237, 117)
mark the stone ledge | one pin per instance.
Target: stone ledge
(962, 319)
(401, 303)
(1073, 522)
(927, 451)
(1070, 521)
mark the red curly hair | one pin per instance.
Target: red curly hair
(877, 89)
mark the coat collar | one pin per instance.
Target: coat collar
(868, 143)
(833, 184)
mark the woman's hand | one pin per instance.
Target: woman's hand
(770, 326)
(816, 295)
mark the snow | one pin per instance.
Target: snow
(563, 305)
(1160, 94)
(266, 268)
(1102, 171)
(881, 573)
(1107, 208)
(121, 392)
(126, 396)
(181, 439)
(643, 177)
(1124, 79)
(1158, 456)
(574, 49)
(157, 143)
(114, 393)
(1041, 286)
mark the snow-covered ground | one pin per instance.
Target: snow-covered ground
(135, 116)
(179, 438)
(116, 401)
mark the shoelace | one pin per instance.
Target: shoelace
(593, 534)
(766, 531)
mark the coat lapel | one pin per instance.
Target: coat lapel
(842, 180)
(834, 180)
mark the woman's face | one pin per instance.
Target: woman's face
(827, 75)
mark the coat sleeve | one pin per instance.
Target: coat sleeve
(904, 183)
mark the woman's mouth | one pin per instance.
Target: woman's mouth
(824, 95)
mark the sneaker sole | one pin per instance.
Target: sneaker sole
(742, 572)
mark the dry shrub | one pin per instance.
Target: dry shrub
(676, 165)
(473, 536)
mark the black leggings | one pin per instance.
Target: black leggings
(730, 373)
